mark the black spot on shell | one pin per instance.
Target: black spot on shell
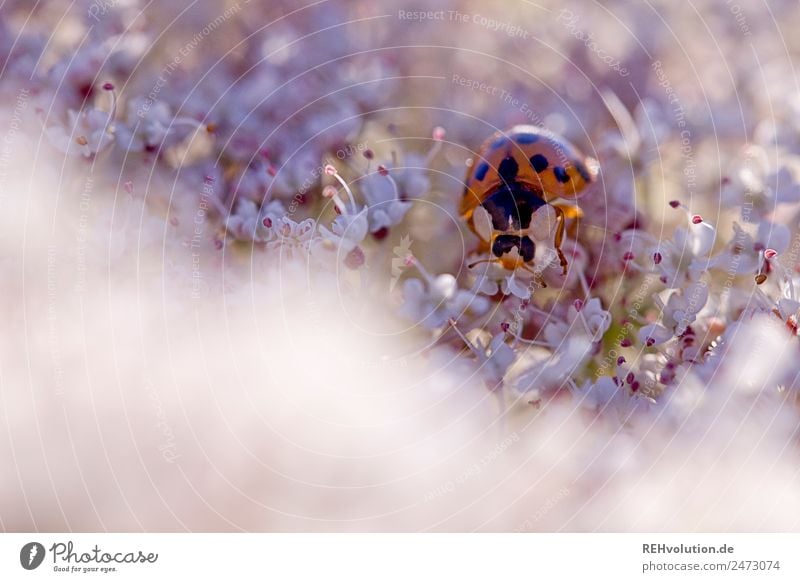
(561, 174)
(508, 169)
(539, 163)
(512, 207)
(480, 171)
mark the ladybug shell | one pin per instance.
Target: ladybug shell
(535, 157)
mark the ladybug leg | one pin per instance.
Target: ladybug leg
(569, 210)
(563, 212)
(559, 238)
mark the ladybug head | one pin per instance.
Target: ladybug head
(503, 247)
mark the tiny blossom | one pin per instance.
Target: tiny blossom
(75, 74)
(435, 300)
(553, 370)
(349, 229)
(493, 354)
(414, 178)
(86, 133)
(381, 194)
(491, 278)
(757, 188)
(248, 222)
(745, 252)
(290, 240)
(677, 314)
(252, 182)
(149, 124)
(590, 321)
(678, 259)
(601, 395)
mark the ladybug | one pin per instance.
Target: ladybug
(517, 172)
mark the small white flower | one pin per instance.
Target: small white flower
(744, 253)
(755, 187)
(677, 315)
(248, 222)
(347, 232)
(291, 239)
(555, 370)
(383, 200)
(86, 133)
(588, 320)
(493, 353)
(433, 301)
(600, 395)
(679, 259)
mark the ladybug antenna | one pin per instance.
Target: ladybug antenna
(481, 262)
(537, 276)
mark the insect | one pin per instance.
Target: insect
(517, 172)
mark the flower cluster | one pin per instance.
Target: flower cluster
(676, 251)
